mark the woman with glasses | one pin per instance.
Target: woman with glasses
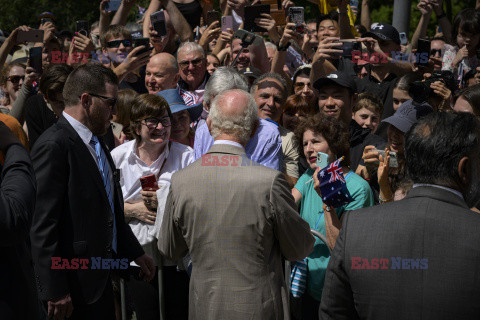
(17, 84)
(151, 154)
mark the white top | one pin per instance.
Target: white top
(132, 168)
(86, 135)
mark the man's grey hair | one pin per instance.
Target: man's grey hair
(270, 75)
(188, 46)
(223, 79)
(240, 126)
(268, 44)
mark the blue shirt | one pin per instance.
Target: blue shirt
(265, 147)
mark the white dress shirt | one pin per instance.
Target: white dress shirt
(132, 168)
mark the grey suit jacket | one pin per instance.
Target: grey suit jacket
(236, 218)
(430, 243)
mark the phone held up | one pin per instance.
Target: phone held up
(158, 23)
(35, 59)
(33, 35)
(297, 16)
(322, 160)
(149, 183)
(82, 27)
(142, 42)
(393, 163)
(227, 23)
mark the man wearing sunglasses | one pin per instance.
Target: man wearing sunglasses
(123, 59)
(79, 212)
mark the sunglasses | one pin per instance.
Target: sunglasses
(195, 63)
(116, 43)
(152, 123)
(113, 101)
(433, 52)
(16, 79)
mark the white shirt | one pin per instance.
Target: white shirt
(458, 193)
(132, 168)
(86, 135)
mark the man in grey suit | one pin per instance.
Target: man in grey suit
(236, 218)
(418, 258)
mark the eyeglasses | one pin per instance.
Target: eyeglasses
(16, 79)
(301, 85)
(195, 63)
(113, 101)
(116, 43)
(152, 123)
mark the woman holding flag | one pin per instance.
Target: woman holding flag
(324, 195)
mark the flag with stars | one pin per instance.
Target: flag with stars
(332, 185)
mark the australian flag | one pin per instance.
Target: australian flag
(332, 185)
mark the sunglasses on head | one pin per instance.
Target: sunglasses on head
(16, 79)
(116, 43)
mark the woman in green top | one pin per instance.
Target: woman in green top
(330, 136)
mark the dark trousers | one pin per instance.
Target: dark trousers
(145, 294)
(309, 307)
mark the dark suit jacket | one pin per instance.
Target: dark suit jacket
(73, 218)
(430, 224)
(18, 298)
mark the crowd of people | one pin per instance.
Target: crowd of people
(178, 174)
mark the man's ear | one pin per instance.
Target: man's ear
(86, 100)
(177, 77)
(464, 171)
(209, 125)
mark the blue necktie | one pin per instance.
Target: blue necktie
(103, 166)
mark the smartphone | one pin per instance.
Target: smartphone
(142, 42)
(393, 163)
(227, 22)
(149, 183)
(348, 46)
(35, 59)
(423, 49)
(158, 23)
(297, 16)
(82, 27)
(252, 13)
(403, 38)
(33, 35)
(112, 5)
(212, 16)
(322, 160)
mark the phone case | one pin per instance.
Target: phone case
(253, 12)
(33, 35)
(149, 182)
(112, 5)
(35, 58)
(212, 16)
(158, 23)
(227, 22)
(322, 160)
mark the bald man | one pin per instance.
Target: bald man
(162, 73)
(236, 218)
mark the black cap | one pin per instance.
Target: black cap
(339, 78)
(383, 31)
(407, 114)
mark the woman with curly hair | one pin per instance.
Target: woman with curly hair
(330, 136)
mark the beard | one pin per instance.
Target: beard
(472, 195)
(97, 121)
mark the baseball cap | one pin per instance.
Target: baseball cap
(383, 31)
(176, 103)
(407, 114)
(339, 78)
(46, 14)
